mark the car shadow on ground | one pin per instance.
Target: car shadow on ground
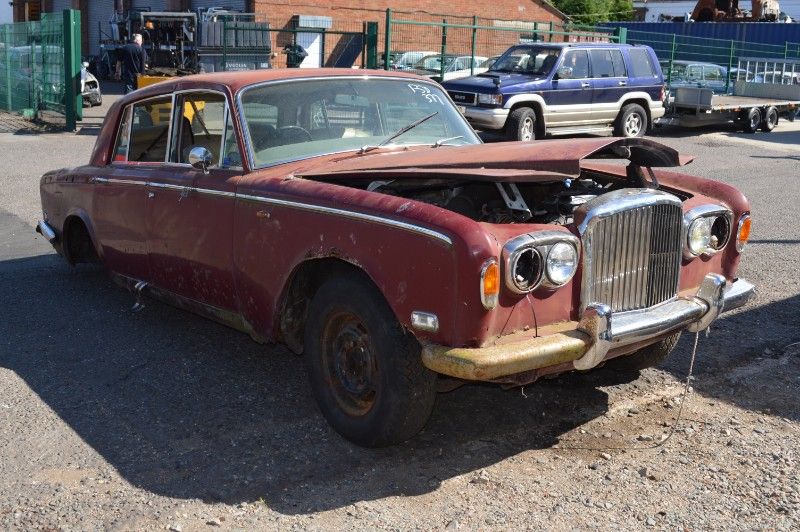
(186, 408)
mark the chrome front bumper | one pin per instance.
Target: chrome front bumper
(599, 332)
(485, 117)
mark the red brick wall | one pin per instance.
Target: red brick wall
(349, 15)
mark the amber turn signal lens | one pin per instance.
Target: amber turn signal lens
(490, 283)
(743, 233)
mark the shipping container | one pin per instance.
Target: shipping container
(771, 33)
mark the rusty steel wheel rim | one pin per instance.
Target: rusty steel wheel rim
(349, 363)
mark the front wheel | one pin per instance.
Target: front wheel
(521, 124)
(366, 372)
(631, 122)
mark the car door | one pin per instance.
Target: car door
(570, 100)
(120, 194)
(190, 210)
(609, 83)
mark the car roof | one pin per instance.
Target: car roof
(699, 63)
(235, 81)
(580, 45)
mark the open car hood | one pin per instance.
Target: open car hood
(504, 161)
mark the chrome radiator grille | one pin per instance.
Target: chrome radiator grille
(632, 241)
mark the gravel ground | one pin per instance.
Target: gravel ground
(163, 420)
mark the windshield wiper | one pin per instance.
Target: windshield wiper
(444, 142)
(404, 129)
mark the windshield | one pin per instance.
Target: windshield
(536, 60)
(306, 118)
(433, 63)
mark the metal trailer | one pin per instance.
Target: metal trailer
(765, 90)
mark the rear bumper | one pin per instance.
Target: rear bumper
(486, 118)
(590, 341)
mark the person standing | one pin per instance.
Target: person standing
(131, 61)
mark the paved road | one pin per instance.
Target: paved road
(110, 419)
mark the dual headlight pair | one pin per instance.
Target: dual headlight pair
(546, 258)
(708, 230)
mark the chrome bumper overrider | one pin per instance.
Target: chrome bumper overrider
(598, 332)
(46, 231)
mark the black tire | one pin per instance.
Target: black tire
(366, 372)
(521, 124)
(752, 120)
(770, 120)
(631, 121)
(647, 357)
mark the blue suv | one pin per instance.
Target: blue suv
(552, 88)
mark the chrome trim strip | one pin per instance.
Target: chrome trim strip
(349, 214)
(246, 129)
(540, 242)
(705, 211)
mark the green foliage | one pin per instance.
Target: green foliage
(594, 11)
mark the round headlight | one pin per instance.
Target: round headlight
(526, 270)
(562, 261)
(699, 236)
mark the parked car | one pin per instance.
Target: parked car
(407, 60)
(90, 87)
(455, 66)
(543, 88)
(357, 218)
(693, 74)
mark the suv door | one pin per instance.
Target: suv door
(609, 81)
(570, 100)
(189, 211)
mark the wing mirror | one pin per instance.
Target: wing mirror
(200, 158)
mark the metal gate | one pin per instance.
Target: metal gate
(40, 66)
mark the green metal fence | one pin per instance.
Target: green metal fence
(672, 48)
(40, 66)
(455, 46)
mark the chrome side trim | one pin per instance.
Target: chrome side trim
(540, 242)
(705, 211)
(350, 214)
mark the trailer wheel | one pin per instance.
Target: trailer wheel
(770, 120)
(752, 121)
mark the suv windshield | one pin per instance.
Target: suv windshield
(306, 118)
(535, 60)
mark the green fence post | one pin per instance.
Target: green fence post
(444, 49)
(671, 59)
(7, 40)
(371, 41)
(552, 30)
(786, 49)
(730, 67)
(622, 35)
(474, 43)
(387, 39)
(72, 68)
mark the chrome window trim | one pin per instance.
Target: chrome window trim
(350, 214)
(705, 211)
(175, 117)
(246, 130)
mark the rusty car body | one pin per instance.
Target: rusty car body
(356, 218)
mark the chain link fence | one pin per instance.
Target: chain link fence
(40, 66)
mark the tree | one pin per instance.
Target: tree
(594, 11)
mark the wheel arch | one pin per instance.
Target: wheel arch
(298, 291)
(538, 106)
(640, 99)
(79, 240)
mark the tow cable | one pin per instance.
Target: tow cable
(674, 428)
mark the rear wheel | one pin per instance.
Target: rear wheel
(647, 357)
(770, 120)
(752, 120)
(521, 124)
(631, 122)
(366, 372)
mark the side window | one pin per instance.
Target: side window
(712, 74)
(577, 61)
(199, 122)
(607, 63)
(150, 130)
(694, 73)
(123, 137)
(231, 156)
(641, 63)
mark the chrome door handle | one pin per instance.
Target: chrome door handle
(622, 83)
(585, 85)
(151, 195)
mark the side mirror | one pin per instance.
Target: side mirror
(85, 64)
(564, 72)
(200, 158)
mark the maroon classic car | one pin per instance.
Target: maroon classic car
(356, 217)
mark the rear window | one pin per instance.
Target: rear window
(641, 63)
(607, 64)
